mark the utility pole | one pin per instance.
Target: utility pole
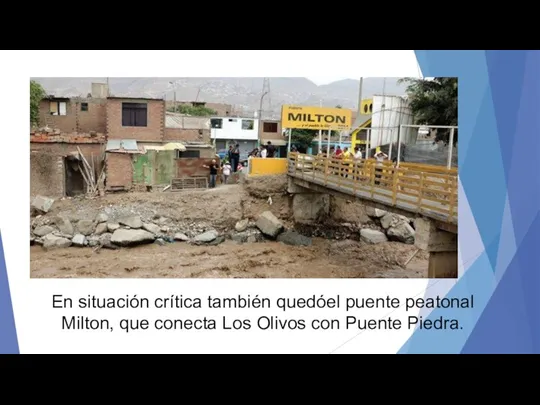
(360, 95)
(265, 91)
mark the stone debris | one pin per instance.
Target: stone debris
(372, 236)
(152, 228)
(42, 204)
(242, 225)
(102, 217)
(206, 237)
(54, 242)
(86, 227)
(131, 237)
(101, 228)
(402, 232)
(269, 225)
(375, 212)
(112, 227)
(64, 225)
(133, 221)
(43, 230)
(79, 240)
(182, 237)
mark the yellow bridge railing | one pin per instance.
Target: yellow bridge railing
(423, 189)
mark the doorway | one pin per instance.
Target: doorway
(75, 184)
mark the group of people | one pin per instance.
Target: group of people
(265, 151)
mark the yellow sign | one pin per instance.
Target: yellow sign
(295, 116)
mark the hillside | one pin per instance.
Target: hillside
(242, 92)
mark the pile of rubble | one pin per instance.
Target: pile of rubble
(132, 230)
(394, 227)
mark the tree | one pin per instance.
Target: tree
(303, 138)
(37, 93)
(196, 111)
(434, 102)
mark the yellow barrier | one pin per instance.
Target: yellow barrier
(268, 166)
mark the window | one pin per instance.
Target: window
(84, 106)
(248, 124)
(232, 120)
(216, 123)
(58, 108)
(270, 127)
(134, 115)
(188, 154)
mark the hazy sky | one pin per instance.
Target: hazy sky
(325, 80)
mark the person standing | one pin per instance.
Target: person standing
(235, 157)
(226, 172)
(380, 156)
(213, 172)
(270, 150)
(229, 154)
(264, 152)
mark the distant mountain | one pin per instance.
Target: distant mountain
(242, 92)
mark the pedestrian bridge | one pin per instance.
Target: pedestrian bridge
(424, 190)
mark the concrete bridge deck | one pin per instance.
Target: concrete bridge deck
(425, 190)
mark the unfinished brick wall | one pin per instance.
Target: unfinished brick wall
(179, 134)
(76, 120)
(119, 171)
(153, 132)
(47, 171)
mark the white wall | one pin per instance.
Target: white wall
(389, 112)
(231, 128)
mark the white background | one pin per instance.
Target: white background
(38, 324)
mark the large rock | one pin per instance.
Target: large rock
(269, 224)
(54, 242)
(294, 238)
(111, 226)
(182, 237)
(372, 236)
(130, 237)
(206, 237)
(390, 220)
(102, 217)
(402, 232)
(133, 221)
(375, 212)
(43, 230)
(105, 241)
(64, 225)
(101, 228)
(152, 228)
(86, 227)
(42, 204)
(79, 240)
(242, 225)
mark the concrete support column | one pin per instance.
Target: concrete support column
(442, 247)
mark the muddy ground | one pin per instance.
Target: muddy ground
(325, 259)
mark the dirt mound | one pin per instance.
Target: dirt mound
(266, 186)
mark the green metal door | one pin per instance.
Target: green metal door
(164, 167)
(142, 169)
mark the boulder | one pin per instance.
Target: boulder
(111, 227)
(181, 237)
(43, 230)
(402, 232)
(269, 224)
(102, 217)
(242, 225)
(86, 227)
(101, 228)
(133, 221)
(79, 240)
(130, 237)
(152, 228)
(206, 237)
(64, 225)
(42, 204)
(390, 220)
(372, 236)
(294, 239)
(375, 212)
(54, 242)
(218, 241)
(160, 242)
(105, 241)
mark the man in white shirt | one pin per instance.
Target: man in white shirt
(357, 153)
(263, 152)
